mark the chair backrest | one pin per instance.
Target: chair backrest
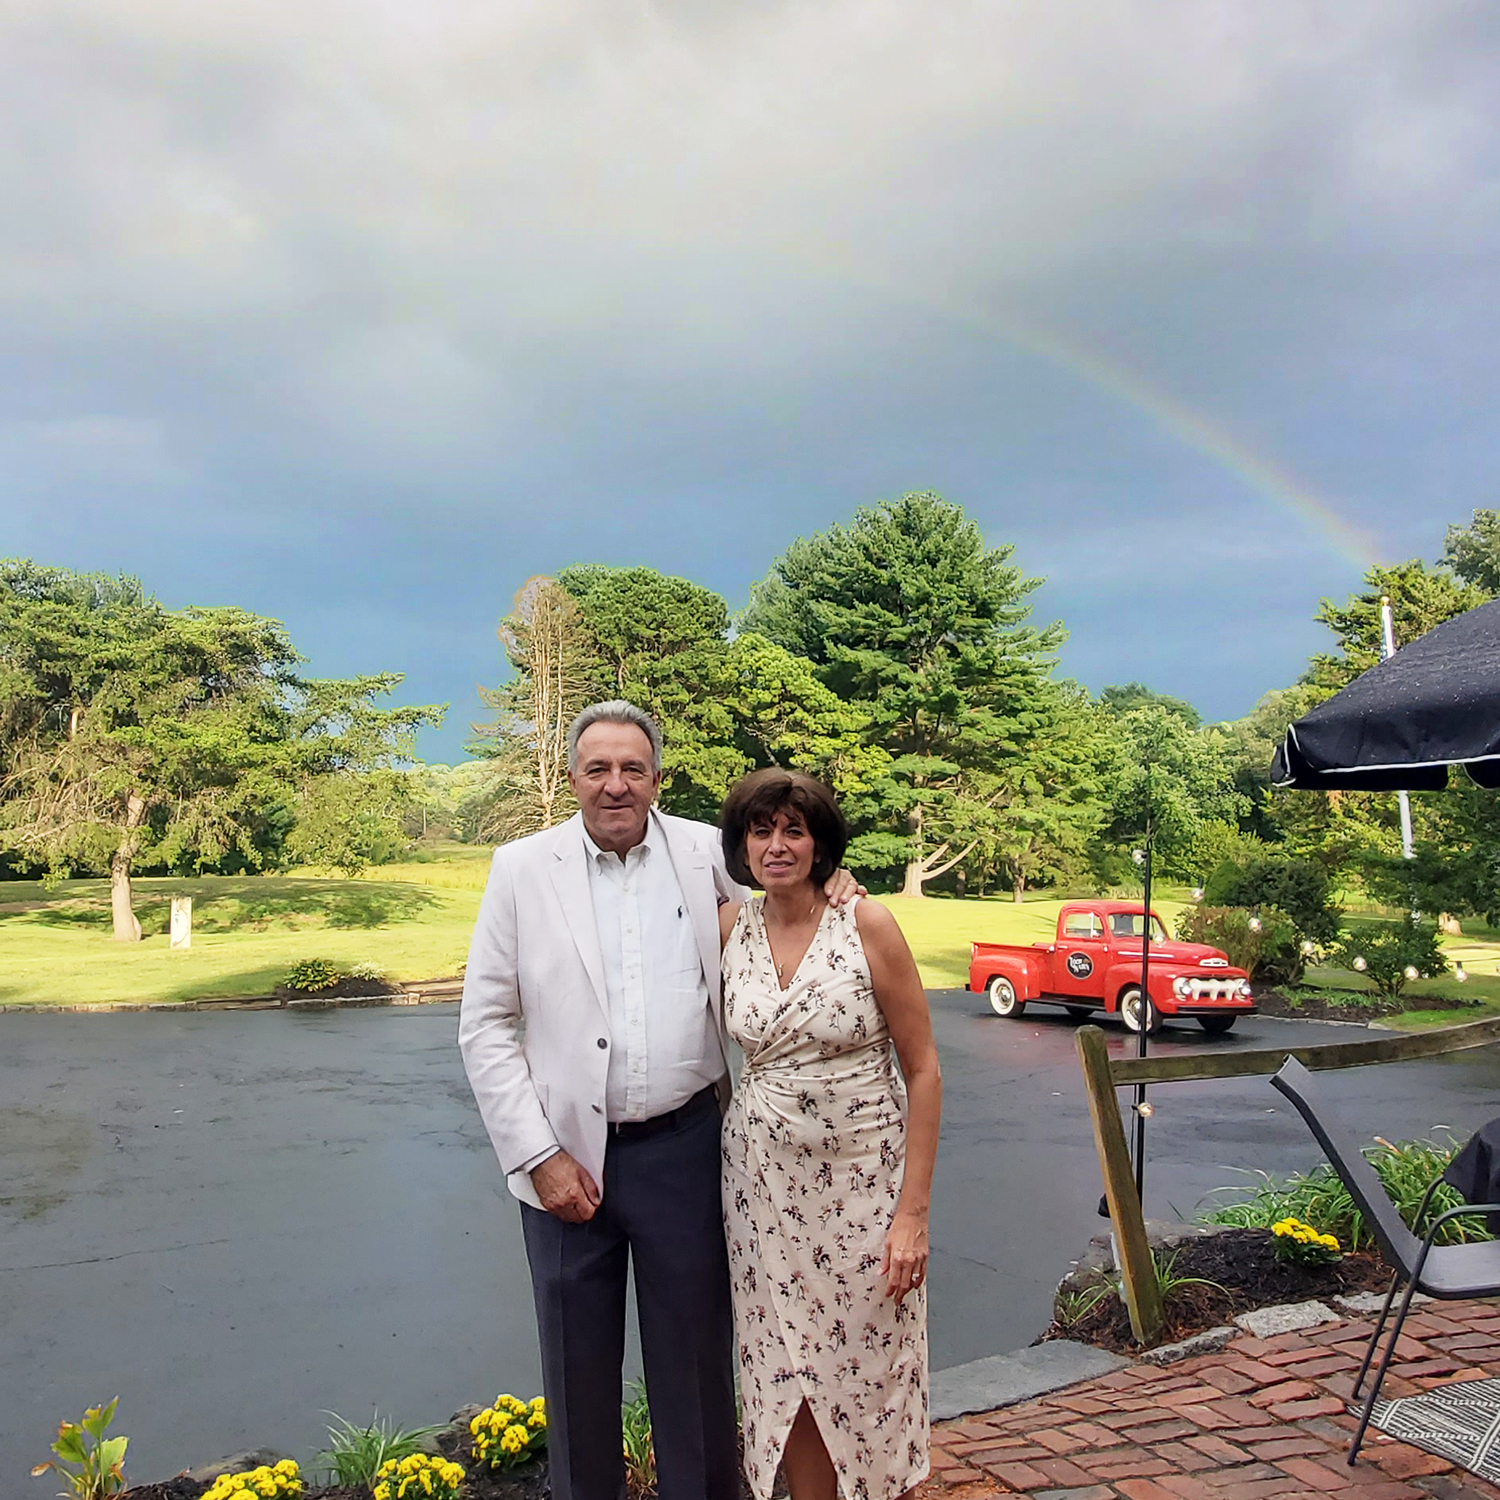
(1395, 1239)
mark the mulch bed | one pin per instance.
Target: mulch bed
(1361, 1006)
(1243, 1264)
(347, 988)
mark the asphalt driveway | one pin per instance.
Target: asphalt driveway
(234, 1222)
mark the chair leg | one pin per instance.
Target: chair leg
(1385, 1312)
(1385, 1360)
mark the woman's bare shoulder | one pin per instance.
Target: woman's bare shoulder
(876, 924)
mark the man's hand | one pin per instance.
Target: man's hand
(565, 1189)
(841, 888)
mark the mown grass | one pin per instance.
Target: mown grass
(247, 933)
(414, 920)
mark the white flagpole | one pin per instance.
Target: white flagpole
(1388, 640)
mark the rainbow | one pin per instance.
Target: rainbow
(1271, 482)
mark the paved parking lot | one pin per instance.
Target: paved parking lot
(235, 1221)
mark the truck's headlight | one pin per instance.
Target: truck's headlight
(1180, 987)
(1245, 988)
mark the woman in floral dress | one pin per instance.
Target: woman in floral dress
(827, 1167)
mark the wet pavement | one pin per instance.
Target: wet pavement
(234, 1222)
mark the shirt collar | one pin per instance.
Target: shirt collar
(647, 843)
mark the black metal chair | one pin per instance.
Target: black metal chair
(1444, 1271)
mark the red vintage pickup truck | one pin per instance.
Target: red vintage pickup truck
(1094, 964)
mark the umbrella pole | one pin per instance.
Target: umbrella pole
(1141, 1107)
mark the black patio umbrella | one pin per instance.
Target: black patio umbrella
(1399, 726)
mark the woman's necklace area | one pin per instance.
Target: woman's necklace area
(766, 917)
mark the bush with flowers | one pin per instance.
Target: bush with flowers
(510, 1432)
(418, 1476)
(280, 1481)
(1301, 1244)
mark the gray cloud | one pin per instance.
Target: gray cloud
(450, 293)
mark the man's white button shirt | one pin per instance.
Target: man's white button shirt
(664, 1043)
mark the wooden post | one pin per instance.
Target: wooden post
(1137, 1269)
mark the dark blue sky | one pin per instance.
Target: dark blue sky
(360, 316)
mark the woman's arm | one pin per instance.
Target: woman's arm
(898, 992)
(728, 911)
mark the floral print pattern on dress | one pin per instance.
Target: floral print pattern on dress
(814, 1147)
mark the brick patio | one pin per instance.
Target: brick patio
(1262, 1418)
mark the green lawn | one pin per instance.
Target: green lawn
(247, 933)
(414, 921)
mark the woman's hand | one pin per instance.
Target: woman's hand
(904, 1265)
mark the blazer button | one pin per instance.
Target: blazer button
(603, 1043)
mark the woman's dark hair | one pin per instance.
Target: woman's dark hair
(758, 797)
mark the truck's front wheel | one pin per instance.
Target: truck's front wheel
(1131, 1006)
(1003, 999)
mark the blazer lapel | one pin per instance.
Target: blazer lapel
(695, 878)
(570, 880)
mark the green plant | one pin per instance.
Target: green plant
(1265, 944)
(420, 1476)
(640, 1452)
(1391, 953)
(1072, 1308)
(1298, 887)
(1300, 1244)
(280, 1481)
(354, 1455)
(313, 974)
(92, 1465)
(1169, 1283)
(366, 969)
(1405, 1168)
(509, 1433)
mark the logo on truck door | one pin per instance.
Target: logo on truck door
(1080, 965)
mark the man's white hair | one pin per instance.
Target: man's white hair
(615, 711)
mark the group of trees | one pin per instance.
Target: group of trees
(133, 736)
(894, 656)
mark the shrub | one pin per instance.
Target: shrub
(509, 1433)
(366, 969)
(313, 974)
(280, 1481)
(1404, 1167)
(1265, 944)
(419, 1476)
(355, 1455)
(1392, 953)
(92, 1465)
(1298, 887)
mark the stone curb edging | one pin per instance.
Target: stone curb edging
(1006, 1379)
(433, 992)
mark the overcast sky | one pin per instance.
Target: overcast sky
(358, 314)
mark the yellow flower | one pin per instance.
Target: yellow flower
(537, 1420)
(382, 1492)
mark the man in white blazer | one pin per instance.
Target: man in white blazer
(592, 1034)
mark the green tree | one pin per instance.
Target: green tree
(1172, 782)
(660, 642)
(1421, 599)
(133, 732)
(1050, 810)
(1473, 551)
(1127, 695)
(908, 616)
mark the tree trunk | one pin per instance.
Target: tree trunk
(916, 867)
(121, 896)
(1018, 889)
